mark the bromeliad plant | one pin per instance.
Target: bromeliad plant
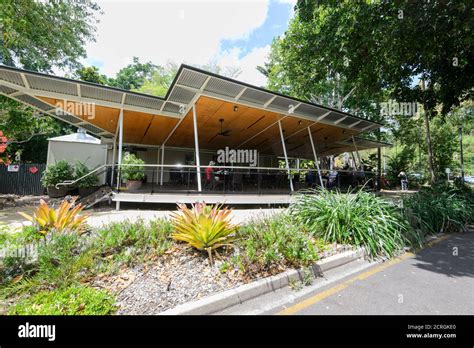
(204, 227)
(65, 218)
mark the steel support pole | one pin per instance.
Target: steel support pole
(119, 153)
(196, 145)
(357, 152)
(114, 150)
(461, 155)
(286, 156)
(162, 163)
(315, 157)
(379, 169)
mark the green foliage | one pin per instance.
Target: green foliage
(28, 131)
(73, 300)
(136, 172)
(80, 170)
(134, 75)
(61, 261)
(445, 144)
(40, 35)
(269, 243)
(358, 218)
(204, 227)
(91, 74)
(56, 173)
(351, 55)
(441, 208)
(400, 161)
(131, 240)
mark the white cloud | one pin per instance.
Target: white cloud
(180, 31)
(247, 63)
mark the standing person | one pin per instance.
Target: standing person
(210, 175)
(403, 180)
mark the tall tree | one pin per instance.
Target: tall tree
(134, 75)
(91, 74)
(40, 35)
(388, 46)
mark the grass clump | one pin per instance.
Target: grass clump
(130, 241)
(358, 218)
(270, 244)
(441, 208)
(72, 300)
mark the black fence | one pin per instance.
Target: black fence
(23, 179)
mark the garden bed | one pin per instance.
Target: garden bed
(147, 267)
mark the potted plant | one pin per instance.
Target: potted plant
(55, 174)
(88, 184)
(133, 174)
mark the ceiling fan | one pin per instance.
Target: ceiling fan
(224, 133)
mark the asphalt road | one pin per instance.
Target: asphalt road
(435, 280)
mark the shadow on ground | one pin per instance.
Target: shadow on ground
(453, 257)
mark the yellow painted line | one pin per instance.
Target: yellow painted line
(335, 289)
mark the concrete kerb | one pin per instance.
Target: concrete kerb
(228, 298)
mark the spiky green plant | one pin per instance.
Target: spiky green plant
(357, 218)
(204, 227)
(442, 208)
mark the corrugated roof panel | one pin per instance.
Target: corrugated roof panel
(181, 95)
(347, 122)
(282, 103)
(333, 117)
(144, 102)
(192, 79)
(34, 102)
(310, 110)
(68, 118)
(170, 107)
(51, 85)
(7, 90)
(223, 87)
(11, 76)
(255, 96)
(101, 93)
(362, 125)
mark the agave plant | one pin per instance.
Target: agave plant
(65, 218)
(204, 227)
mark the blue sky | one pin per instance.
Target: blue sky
(225, 32)
(275, 24)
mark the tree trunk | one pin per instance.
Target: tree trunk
(427, 114)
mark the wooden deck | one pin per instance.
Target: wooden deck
(234, 198)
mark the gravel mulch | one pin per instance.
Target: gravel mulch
(180, 275)
(177, 277)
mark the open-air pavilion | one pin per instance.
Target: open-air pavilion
(202, 115)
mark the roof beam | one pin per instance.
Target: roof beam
(53, 114)
(340, 120)
(269, 101)
(240, 93)
(352, 125)
(25, 81)
(74, 98)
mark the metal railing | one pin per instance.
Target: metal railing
(229, 179)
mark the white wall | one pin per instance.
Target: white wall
(92, 155)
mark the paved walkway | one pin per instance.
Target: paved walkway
(436, 280)
(11, 217)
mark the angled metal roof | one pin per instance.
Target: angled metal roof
(189, 84)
